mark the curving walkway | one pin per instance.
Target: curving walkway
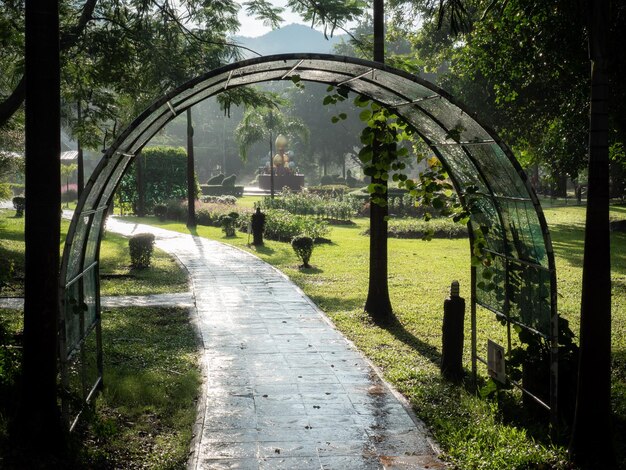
(283, 388)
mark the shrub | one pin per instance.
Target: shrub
(141, 247)
(329, 190)
(327, 206)
(165, 176)
(418, 228)
(229, 181)
(160, 210)
(217, 179)
(210, 213)
(229, 200)
(280, 225)
(303, 246)
(177, 209)
(19, 204)
(203, 216)
(228, 224)
(219, 190)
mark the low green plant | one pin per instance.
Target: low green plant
(141, 247)
(326, 205)
(228, 200)
(303, 246)
(228, 223)
(425, 230)
(19, 204)
(203, 216)
(283, 226)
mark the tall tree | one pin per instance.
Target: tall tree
(39, 419)
(378, 304)
(591, 444)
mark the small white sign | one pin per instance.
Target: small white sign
(495, 361)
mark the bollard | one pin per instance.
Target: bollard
(452, 339)
(258, 225)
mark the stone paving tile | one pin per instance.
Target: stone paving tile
(283, 388)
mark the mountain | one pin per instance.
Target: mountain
(290, 38)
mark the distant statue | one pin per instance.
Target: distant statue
(282, 161)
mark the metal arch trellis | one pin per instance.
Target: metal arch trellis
(488, 179)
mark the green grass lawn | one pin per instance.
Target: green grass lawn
(118, 278)
(145, 414)
(473, 432)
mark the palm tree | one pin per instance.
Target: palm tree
(265, 122)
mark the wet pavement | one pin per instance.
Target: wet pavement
(283, 388)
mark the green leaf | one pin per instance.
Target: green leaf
(365, 115)
(361, 101)
(328, 100)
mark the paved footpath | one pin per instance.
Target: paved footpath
(283, 388)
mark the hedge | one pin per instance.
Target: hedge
(165, 175)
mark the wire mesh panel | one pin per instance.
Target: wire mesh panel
(514, 275)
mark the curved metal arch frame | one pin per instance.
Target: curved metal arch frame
(405, 94)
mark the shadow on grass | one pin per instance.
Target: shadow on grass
(569, 243)
(397, 329)
(262, 249)
(311, 270)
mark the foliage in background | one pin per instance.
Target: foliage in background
(340, 206)
(425, 230)
(165, 176)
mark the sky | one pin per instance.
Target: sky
(253, 28)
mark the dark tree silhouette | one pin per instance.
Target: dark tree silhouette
(378, 304)
(39, 418)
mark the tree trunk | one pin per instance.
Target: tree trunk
(378, 304)
(191, 180)
(39, 418)
(591, 445)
